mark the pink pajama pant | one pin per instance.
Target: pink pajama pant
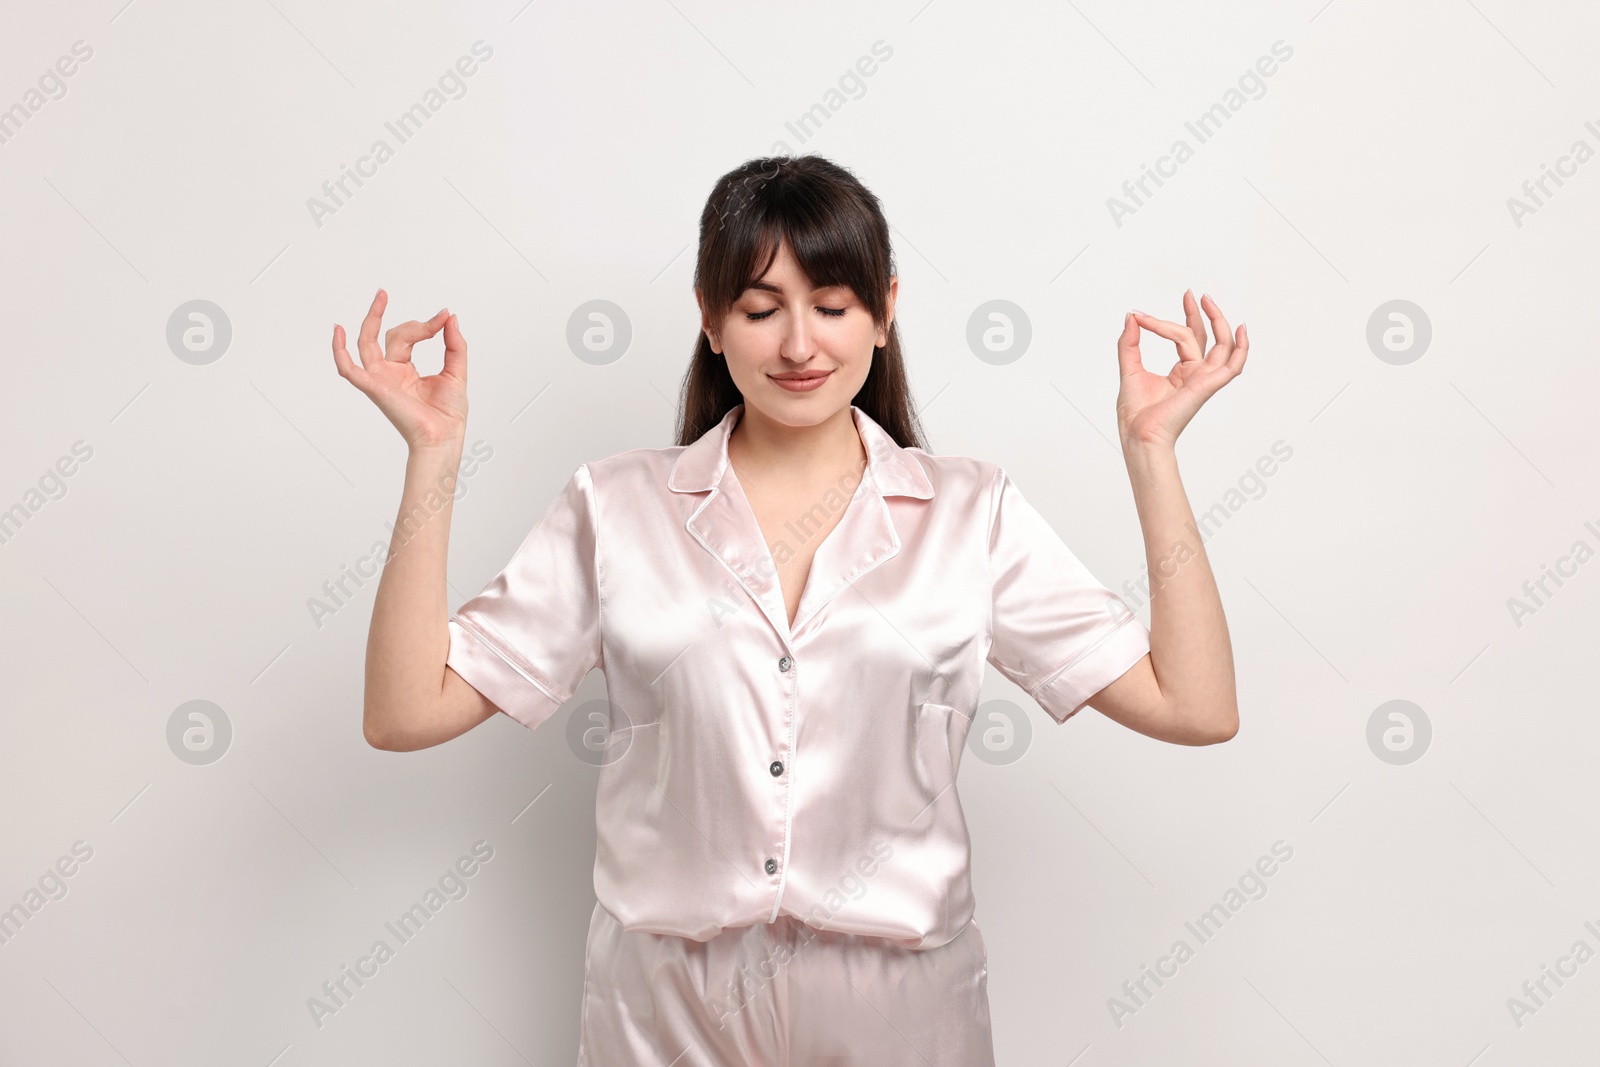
(782, 994)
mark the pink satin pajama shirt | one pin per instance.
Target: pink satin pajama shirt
(769, 770)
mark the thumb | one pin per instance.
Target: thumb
(1128, 358)
(455, 351)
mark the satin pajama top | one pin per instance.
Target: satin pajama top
(762, 769)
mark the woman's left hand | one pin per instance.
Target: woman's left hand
(1154, 408)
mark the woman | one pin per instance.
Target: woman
(793, 607)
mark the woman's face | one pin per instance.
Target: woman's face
(798, 354)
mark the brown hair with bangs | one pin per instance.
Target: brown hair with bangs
(838, 235)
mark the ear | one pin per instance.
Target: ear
(705, 324)
(888, 317)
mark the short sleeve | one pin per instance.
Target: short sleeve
(1057, 632)
(529, 638)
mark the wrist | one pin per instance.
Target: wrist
(435, 461)
(426, 451)
(1143, 450)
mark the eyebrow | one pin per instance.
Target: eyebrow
(771, 287)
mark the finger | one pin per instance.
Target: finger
(347, 369)
(1241, 349)
(1128, 359)
(1195, 320)
(455, 351)
(367, 339)
(398, 341)
(1221, 330)
(1178, 335)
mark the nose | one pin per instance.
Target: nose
(799, 342)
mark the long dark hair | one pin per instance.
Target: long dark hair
(839, 236)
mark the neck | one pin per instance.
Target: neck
(771, 451)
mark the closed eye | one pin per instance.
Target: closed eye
(757, 316)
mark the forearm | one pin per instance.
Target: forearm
(1189, 647)
(409, 639)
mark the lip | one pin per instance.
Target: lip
(802, 385)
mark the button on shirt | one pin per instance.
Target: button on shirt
(774, 770)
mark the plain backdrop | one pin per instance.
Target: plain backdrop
(1423, 498)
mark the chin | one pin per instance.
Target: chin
(799, 409)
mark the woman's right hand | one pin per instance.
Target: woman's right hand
(429, 412)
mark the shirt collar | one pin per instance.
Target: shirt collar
(700, 465)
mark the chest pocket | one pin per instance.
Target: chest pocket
(941, 733)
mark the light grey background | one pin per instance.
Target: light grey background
(1375, 564)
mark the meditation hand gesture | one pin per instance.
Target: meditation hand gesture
(429, 412)
(1154, 408)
